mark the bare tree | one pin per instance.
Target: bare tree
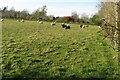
(24, 14)
(75, 16)
(108, 11)
(40, 13)
(85, 18)
(12, 13)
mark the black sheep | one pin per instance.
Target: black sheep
(63, 25)
(81, 26)
(67, 27)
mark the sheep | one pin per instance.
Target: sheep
(99, 27)
(83, 26)
(67, 26)
(18, 20)
(38, 21)
(2, 20)
(41, 22)
(53, 23)
(22, 20)
(63, 25)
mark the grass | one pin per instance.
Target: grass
(33, 50)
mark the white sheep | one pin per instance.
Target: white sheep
(1, 20)
(38, 21)
(18, 20)
(22, 20)
(99, 27)
(41, 22)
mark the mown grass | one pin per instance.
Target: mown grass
(33, 50)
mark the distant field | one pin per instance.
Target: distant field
(33, 50)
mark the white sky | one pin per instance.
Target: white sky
(54, 7)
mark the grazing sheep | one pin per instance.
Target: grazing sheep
(114, 57)
(38, 21)
(99, 27)
(53, 23)
(2, 20)
(22, 20)
(67, 26)
(83, 26)
(18, 20)
(41, 22)
(63, 25)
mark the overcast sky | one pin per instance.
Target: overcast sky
(54, 7)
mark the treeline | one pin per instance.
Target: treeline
(41, 14)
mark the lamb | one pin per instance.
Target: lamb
(22, 20)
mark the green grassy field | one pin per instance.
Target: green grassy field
(33, 50)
